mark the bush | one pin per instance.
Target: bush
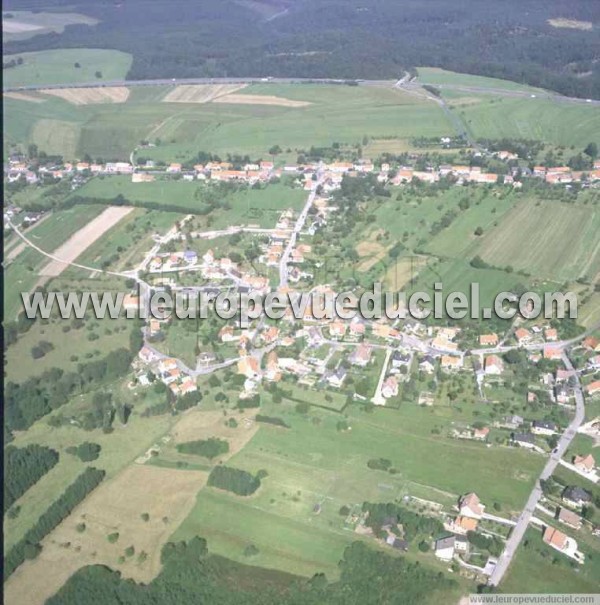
(112, 538)
(379, 464)
(424, 546)
(251, 551)
(86, 451)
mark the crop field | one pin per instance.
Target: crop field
(200, 93)
(248, 99)
(548, 239)
(22, 274)
(336, 113)
(84, 237)
(90, 96)
(313, 463)
(25, 24)
(58, 67)
(538, 119)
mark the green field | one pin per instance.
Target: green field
(247, 205)
(554, 122)
(21, 274)
(338, 113)
(437, 76)
(25, 24)
(547, 239)
(58, 67)
(314, 463)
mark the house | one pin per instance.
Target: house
(337, 329)
(488, 340)
(568, 517)
(444, 548)
(494, 365)
(337, 377)
(593, 388)
(524, 440)
(390, 387)
(461, 544)
(399, 359)
(226, 334)
(451, 362)
(396, 542)
(551, 334)
(190, 257)
(131, 301)
(272, 366)
(523, 336)
(470, 506)
(462, 525)
(481, 434)
(174, 168)
(555, 538)
(427, 365)
(147, 355)
(543, 427)
(585, 464)
(512, 422)
(426, 398)
(576, 496)
(270, 335)
(248, 366)
(170, 376)
(188, 385)
(591, 343)
(552, 353)
(361, 355)
(357, 327)
(564, 375)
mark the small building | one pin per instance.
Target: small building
(524, 440)
(585, 464)
(568, 517)
(493, 365)
(444, 548)
(543, 427)
(488, 340)
(555, 538)
(576, 496)
(471, 506)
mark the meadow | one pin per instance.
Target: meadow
(58, 67)
(314, 463)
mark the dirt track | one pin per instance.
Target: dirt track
(83, 239)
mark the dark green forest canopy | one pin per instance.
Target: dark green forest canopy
(367, 39)
(191, 576)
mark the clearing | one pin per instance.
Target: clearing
(85, 237)
(90, 96)
(26, 24)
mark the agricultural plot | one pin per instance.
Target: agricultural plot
(547, 239)
(90, 96)
(59, 67)
(440, 77)
(259, 100)
(535, 119)
(200, 93)
(25, 24)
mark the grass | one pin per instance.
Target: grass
(538, 119)
(259, 207)
(314, 463)
(58, 67)
(547, 239)
(530, 572)
(437, 76)
(338, 113)
(26, 24)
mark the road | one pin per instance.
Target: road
(285, 257)
(403, 84)
(512, 544)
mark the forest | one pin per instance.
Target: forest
(344, 39)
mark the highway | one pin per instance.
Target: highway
(512, 544)
(405, 84)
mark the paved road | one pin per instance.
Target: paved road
(518, 532)
(403, 84)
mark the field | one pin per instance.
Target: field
(25, 24)
(86, 236)
(58, 67)
(90, 96)
(442, 77)
(336, 113)
(312, 463)
(22, 274)
(200, 93)
(547, 239)
(546, 120)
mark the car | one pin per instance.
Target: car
(555, 450)
(533, 96)
(588, 100)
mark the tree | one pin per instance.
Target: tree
(479, 231)
(76, 65)
(98, 74)
(591, 150)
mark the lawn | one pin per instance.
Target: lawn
(550, 240)
(58, 67)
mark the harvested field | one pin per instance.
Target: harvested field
(83, 239)
(20, 96)
(90, 96)
(200, 93)
(166, 495)
(401, 272)
(260, 100)
(370, 253)
(203, 424)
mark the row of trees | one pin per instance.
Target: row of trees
(208, 448)
(235, 480)
(23, 467)
(29, 546)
